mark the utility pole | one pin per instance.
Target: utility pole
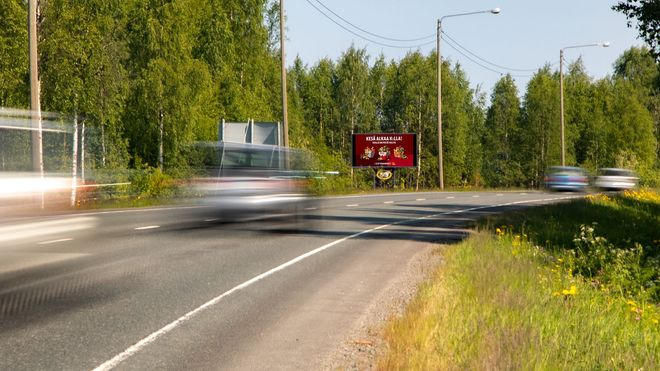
(561, 103)
(35, 104)
(285, 119)
(439, 36)
(561, 91)
(440, 162)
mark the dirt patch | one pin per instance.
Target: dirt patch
(364, 343)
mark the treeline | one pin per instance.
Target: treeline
(153, 76)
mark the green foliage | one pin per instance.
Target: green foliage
(539, 135)
(615, 244)
(151, 182)
(351, 96)
(625, 271)
(150, 77)
(13, 54)
(500, 139)
(505, 304)
(647, 15)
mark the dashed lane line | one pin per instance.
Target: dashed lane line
(137, 347)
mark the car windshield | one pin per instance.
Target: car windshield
(224, 158)
(565, 171)
(616, 172)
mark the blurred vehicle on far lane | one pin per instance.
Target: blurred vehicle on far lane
(239, 181)
(566, 178)
(613, 179)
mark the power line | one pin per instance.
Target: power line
(365, 38)
(486, 61)
(501, 73)
(450, 41)
(373, 34)
(468, 57)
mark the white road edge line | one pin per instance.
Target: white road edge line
(388, 202)
(147, 227)
(133, 349)
(352, 205)
(55, 241)
(420, 199)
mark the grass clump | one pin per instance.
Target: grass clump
(517, 297)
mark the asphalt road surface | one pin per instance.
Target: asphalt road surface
(171, 288)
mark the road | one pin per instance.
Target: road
(171, 288)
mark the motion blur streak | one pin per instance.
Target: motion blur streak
(20, 186)
(40, 229)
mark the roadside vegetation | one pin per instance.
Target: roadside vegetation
(143, 97)
(567, 286)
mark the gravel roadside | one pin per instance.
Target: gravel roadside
(364, 343)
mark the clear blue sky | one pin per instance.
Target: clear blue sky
(527, 34)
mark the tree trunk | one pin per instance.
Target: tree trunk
(160, 139)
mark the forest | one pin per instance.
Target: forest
(149, 77)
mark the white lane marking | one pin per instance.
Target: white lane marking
(145, 210)
(39, 229)
(388, 202)
(211, 220)
(451, 197)
(55, 241)
(310, 208)
(110, 364)
(147, 227)
(523, 194)
(352, 205)
(499, 195)
(135, 348)
(420, 199)
(476, 196)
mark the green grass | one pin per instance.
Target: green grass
(495, 304)
(542, 289)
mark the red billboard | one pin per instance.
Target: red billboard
(384, 150)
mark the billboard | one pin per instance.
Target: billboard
(384, 150)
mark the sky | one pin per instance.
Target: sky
(525, 35)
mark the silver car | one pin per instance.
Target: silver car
(240, 182)
(613, 179)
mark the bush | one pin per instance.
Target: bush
(151, 182)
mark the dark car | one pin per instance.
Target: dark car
(566, 178)
(613, 179)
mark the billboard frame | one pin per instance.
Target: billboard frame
(392, 139)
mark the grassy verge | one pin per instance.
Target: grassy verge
(537, 295)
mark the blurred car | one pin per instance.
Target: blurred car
(566, 178)
(613, 179)
(239, 182)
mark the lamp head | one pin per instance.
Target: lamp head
(495, 11)
(606, 44)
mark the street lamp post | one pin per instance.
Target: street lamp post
(439, 33)
(285, 115)
(561, 90)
